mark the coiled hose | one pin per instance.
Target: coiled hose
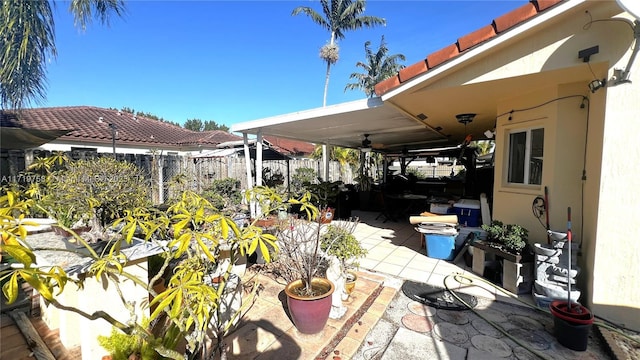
(464, 279)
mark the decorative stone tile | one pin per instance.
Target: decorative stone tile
(421, 309)
(486, 328)
(491, 345)
(417, 323)
(452, 333)
(454, 317)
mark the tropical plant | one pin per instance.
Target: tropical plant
(28, 38)
(192, 230)
(344, 156)
(339, 16)
(324, 193)
(379, 66)
(224, 193)
(95, 190)
(483, 146)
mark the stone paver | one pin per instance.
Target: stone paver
(382, 323)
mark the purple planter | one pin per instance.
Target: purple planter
(310, 314)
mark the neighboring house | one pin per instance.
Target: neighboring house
(97, 128)
(289, 147)
(85, 130)
(554, 81)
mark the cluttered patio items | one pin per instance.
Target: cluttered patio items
(555, 289)
(438, 234)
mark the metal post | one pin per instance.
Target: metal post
(113, 138)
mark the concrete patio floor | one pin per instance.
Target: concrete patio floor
(383, 323)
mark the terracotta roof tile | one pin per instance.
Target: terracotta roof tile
(412, 71)
(542, 5)
(514, 17)
(92, 124)
(442, 55)
(387, 85)
(466, 42)
(290, 147)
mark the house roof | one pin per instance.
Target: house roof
(87, 124)
(465, 43)
(447, 82)
(289, 146)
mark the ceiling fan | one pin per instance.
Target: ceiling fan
(366, 144)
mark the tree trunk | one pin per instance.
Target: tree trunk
(326, 84)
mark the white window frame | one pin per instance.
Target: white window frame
(527, 156)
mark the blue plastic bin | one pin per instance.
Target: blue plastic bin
(440, 246)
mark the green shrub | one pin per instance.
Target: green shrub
(120, 346)
(103, 187)
(513, 237)
(223, 193)
(341, 243)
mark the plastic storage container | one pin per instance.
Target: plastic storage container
(468, 212)
(436, 208)
(440, 246)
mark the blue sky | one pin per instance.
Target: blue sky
(235, 61)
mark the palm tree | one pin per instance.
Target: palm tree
(344, 156)
(28, 37)
(339, 17)
(379, 66)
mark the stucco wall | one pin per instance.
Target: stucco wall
(616, 254)
(76, 330)
(607, 199)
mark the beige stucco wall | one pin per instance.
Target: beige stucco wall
(76, 330)
(607, 199)
(616, 252)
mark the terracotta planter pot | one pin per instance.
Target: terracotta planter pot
(266, 222)
(326, 215)
(310, 314)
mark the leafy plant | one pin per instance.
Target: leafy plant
(99, 189)
(190, 232)
(324, 193)
(301, 249)
(340, 242)
(224, 195)
(512, 236)
(301, 177)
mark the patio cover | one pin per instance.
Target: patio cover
(267, 153)
(346, 124)
(15, 138)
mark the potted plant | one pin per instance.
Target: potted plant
(325, 196)
(511, 238)
(309, 292)
(508, 242)
(340, 242)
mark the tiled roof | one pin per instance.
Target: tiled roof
(91, 124)
(289, 147)
(469, 41)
